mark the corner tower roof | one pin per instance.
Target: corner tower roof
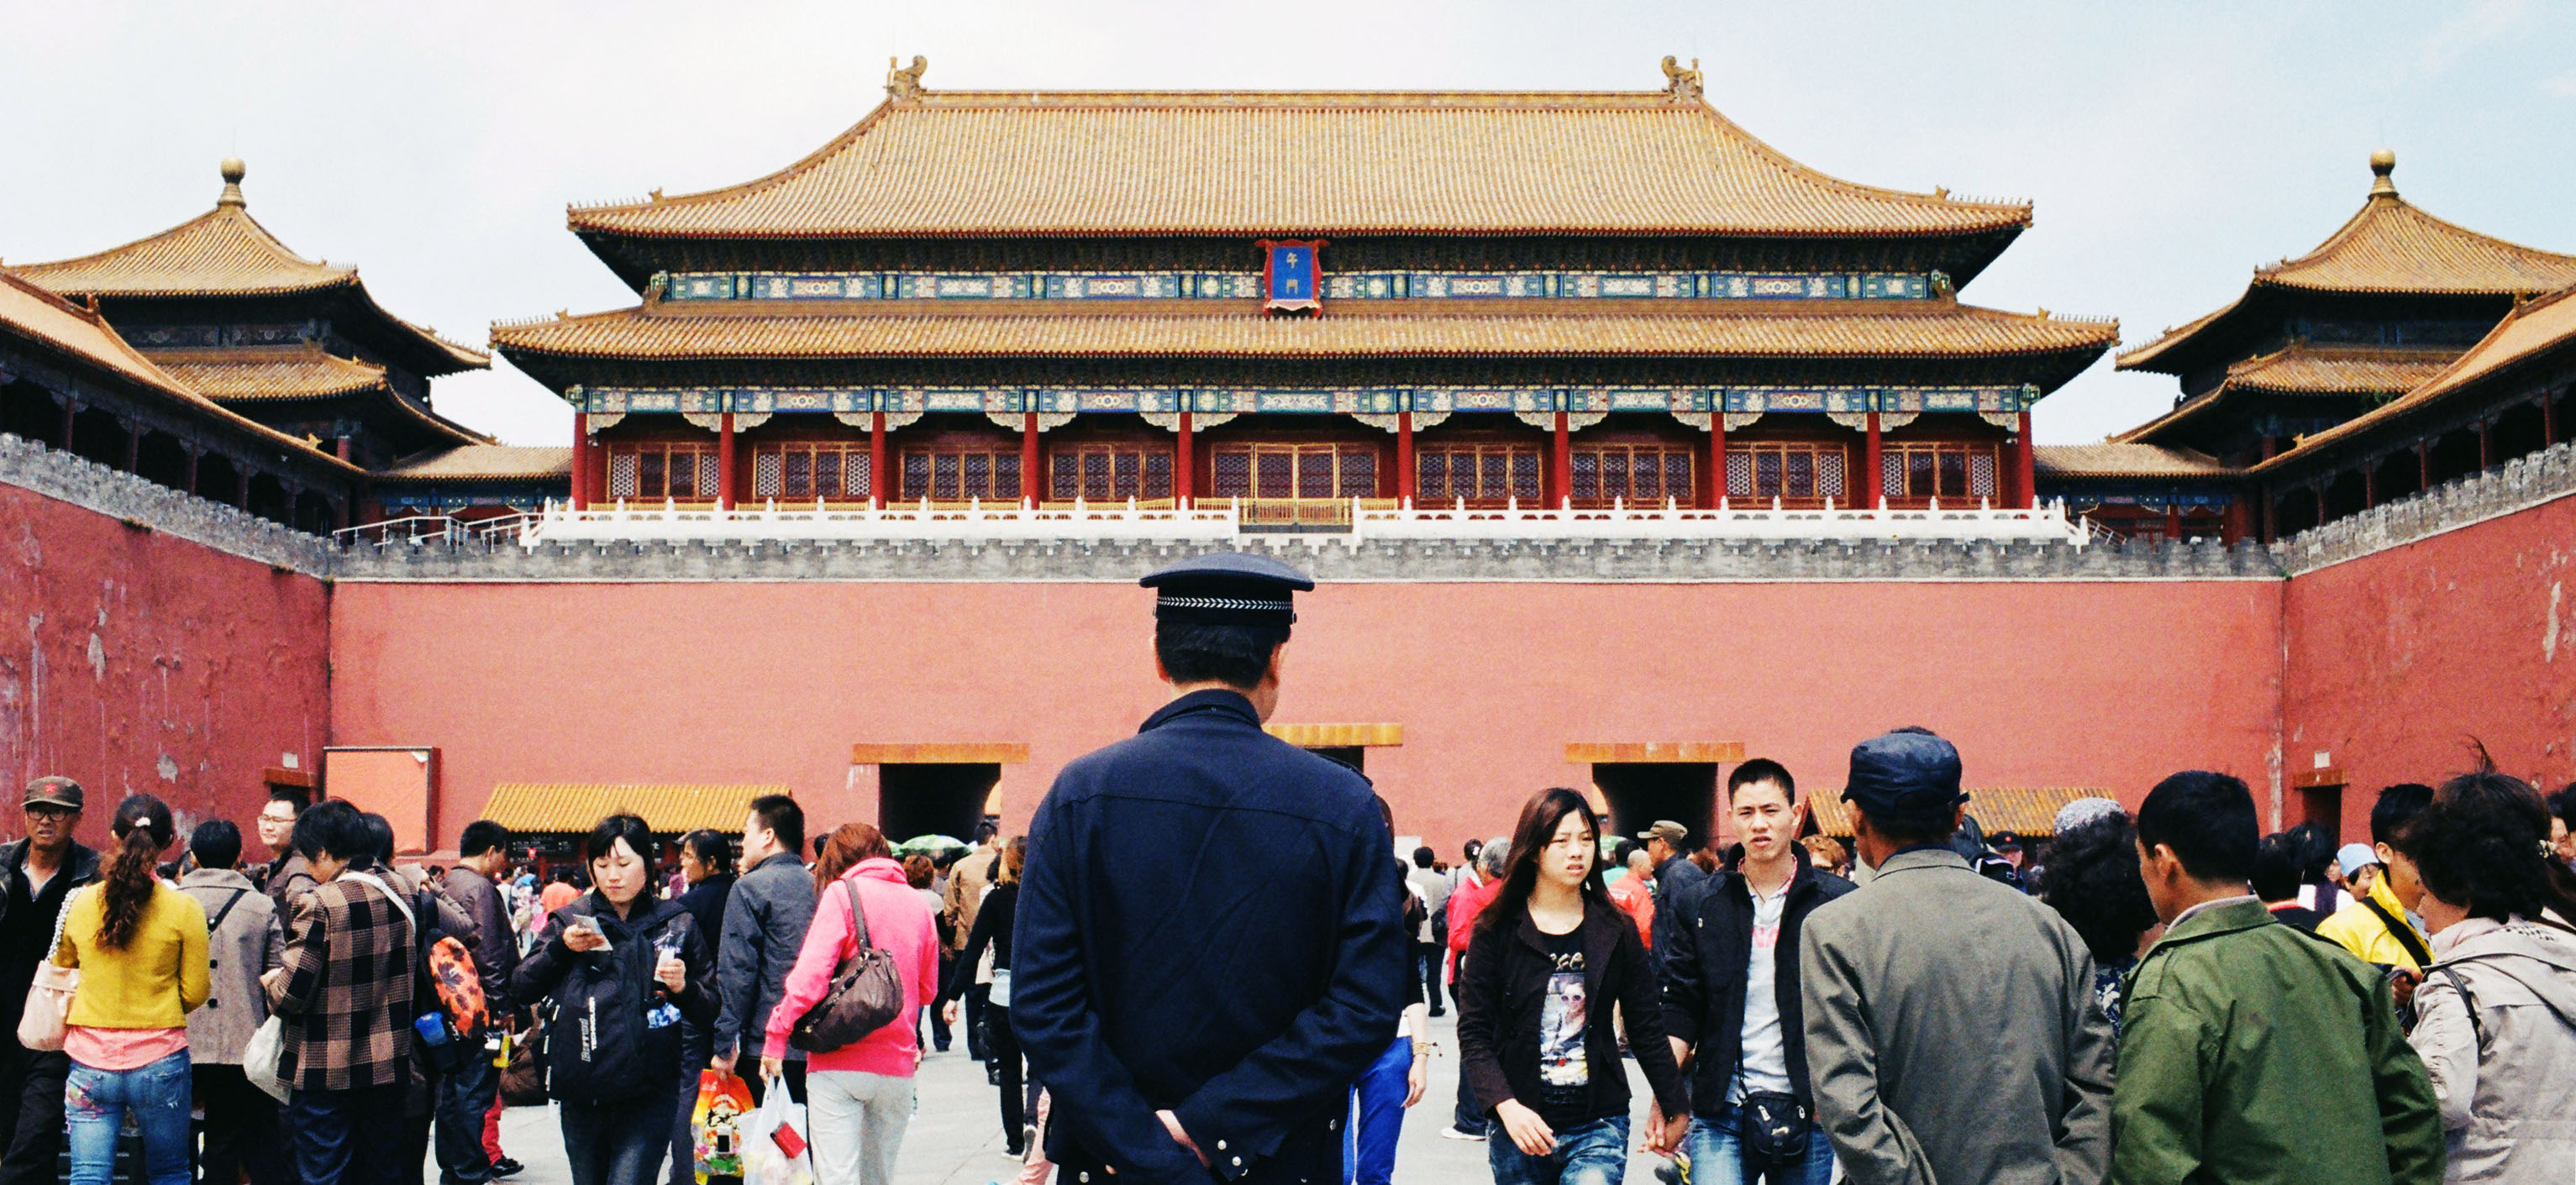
(1134, 163)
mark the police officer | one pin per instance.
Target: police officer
(1211, 943)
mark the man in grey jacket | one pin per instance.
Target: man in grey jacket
(1952, 1034)
(764, 927)
(244, 941)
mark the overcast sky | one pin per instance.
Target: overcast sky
(2169, 147)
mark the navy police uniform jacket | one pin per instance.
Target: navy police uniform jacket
(1208, 925)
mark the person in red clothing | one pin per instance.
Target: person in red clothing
(859, 1098)
(1635, 893)
(1484, 879)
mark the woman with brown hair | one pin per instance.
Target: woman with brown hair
(992, 932)
(141, 948)
(859, 1097)
(1550, 956)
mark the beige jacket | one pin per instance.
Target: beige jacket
(967, 880)
(2496, 1026)
(1952, 1033)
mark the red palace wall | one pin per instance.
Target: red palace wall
(2399, 658)
(133, 660)
(2040, 683)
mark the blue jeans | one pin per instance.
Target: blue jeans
(1593, 1154)
(348, 1137)
(1717, 1156)
(96, 1102)
(617, 1144)
(464, 1096)
(1377, 1116)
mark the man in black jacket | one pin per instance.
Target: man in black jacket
(36, 874)
(1211, 941)
(466, 1093)
(1731, 994)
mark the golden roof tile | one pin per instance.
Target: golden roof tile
(2022, 810)
(1202, 328)
(2391, 247)
(2116, 459)
(222, 252)
(1316, 162)
(308, 373)
(484, 462)
(35, 313)
(2535, 327)
(2303, 369)
(559, 807)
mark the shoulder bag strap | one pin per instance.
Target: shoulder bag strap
(225, 912)
(858, 916)
(61, 916)
(388, 890)
(2402, 932)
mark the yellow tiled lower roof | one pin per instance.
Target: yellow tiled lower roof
(2023, 810)
(670, 807)
(1473, 329)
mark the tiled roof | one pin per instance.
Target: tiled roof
(271, 374)
(33, 312)
(2392, 247)
(1195, 329)
(1329, 162)
(2543, 325)
(2301, 369)
(558, 807)
(2023, 810)
(222, 252)
(2124, 460)
(484, 462)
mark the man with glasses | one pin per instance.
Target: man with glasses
(287, 877)
(40, 871)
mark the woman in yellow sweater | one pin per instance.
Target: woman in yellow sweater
(141, 949)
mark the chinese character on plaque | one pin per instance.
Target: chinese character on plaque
(1290, 276)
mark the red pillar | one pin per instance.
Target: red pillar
(1561, 463)
(724, 461)
(1870, 493)
(2548, 419)
(2369, 483)
(71, 410)
(241, 487)
(2486, 445)
(344, 448)
(879, 481)
(2173, 520)
(2423, 465)
(1404, 474)
(2025, 466)
(1029, 475)
(134, 446)
(1184, 466)
(1717, 458)
(581, 460)
(193, 454)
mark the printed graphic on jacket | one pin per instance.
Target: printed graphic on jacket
(1561, 1021)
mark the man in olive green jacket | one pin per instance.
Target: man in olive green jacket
(2251, 1052)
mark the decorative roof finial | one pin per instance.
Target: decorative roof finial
(2382, 163)
(903, 84)
(1680, 83)
(233, 171)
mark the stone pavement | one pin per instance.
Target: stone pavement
(956, 1137)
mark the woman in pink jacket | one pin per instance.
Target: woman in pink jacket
(858, 1097)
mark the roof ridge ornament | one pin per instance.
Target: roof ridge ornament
(903, 84)
(1681, 85)
(233, 171)
(2382, 163)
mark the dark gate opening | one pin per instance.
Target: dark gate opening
(933, 798)
(1354, 756)
(1644, 793)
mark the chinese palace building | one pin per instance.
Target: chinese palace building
(1301, 303)
(225, 309)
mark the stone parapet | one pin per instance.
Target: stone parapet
(1328, 557)
(148, 505)
(2519, 484)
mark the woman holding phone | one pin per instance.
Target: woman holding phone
(619, 971)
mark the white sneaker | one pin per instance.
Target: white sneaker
(1452, 1133)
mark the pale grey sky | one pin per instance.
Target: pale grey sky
(2170, 147)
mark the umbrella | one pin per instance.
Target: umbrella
(929, 845)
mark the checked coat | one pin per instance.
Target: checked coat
(347, 993)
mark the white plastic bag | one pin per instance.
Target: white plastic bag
(774, 1144)
(260, 1058)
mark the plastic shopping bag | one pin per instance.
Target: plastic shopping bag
(773, 1147)
(716, 1123)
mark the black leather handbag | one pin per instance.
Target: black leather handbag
(866, 993)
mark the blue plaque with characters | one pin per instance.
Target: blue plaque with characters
(1291, 278)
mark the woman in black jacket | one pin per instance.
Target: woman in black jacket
(1548, 959)
(618, 971)
(992, 930)
(706, 867)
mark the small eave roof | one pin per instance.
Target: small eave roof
(1040, 163)
(265, 374)
(2534, 328)
(2303, 369)
(484, 462)
(2120, 459)
(226, 252)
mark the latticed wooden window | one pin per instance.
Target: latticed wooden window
(1305, 471)
(1797, 474)
(958, 475)
(802, 471)
(1940, 469)
(1483, 474)
(1635, 473)
(655, 470)
(1109, 472)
